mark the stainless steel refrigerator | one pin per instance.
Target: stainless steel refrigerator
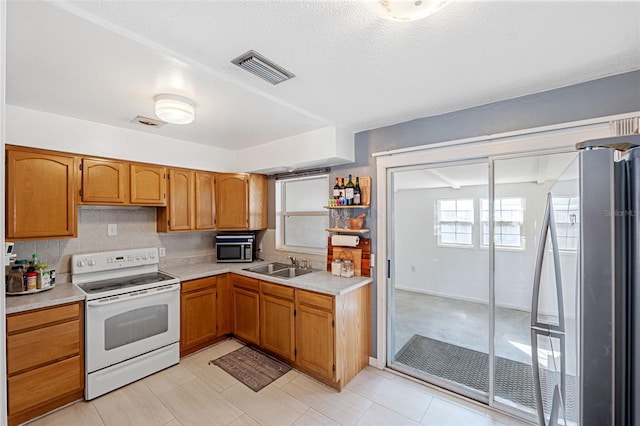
(604, 386)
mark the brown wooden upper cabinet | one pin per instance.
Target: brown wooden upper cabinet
(148, 184)
(178, 215)
(40, 194)
(113, 182)
(205, 201)
(241, 201)
(191, 202)
(104, 181)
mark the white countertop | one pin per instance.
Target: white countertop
(60, 294)
(318, 281)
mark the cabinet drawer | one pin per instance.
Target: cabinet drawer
(32, 319)
(277, 290)
(318, 300)
(42, 345)
(245, 282)
(42, 384)
(192, 285)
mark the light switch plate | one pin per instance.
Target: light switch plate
(112, 229)
(162, 251)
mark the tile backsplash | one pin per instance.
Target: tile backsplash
(136, 228)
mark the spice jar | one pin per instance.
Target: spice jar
(336, 267)
(347, 268)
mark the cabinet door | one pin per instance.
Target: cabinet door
(103, 181)
(198, 318)
(181, 200)
(232, 201)
(246, 315)
(41, 197)
(276, 325)
(205, 200)
(257, 201)
(148, 185)
(315, 340)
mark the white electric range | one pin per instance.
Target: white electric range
(132, 317)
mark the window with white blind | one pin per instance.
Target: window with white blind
(301, 219)
(454, 222)
(508, 222)
(566, 215)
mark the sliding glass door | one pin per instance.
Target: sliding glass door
(463, 243)
(439, 297)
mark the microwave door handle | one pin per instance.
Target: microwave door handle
(142, 293)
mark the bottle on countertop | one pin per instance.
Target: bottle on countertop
(348, 191)
(357, 193)
(336, 189)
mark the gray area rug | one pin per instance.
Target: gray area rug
(513, 379)
(251, 367)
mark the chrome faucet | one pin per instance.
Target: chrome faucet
(293, 261)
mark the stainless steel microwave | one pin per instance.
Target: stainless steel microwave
(234, 248)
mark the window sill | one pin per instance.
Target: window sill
(305, 250)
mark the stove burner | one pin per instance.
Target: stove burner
(124, 282)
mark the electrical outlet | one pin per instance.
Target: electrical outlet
(162, 251)
(373, 260)
(260, 247)
(112, 229)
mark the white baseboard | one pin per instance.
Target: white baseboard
(475, 300)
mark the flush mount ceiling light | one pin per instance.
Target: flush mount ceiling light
(175, 109)
(404, 10)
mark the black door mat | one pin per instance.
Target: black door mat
(513, 379)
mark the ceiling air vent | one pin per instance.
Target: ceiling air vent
(146, 121)
(262, 67)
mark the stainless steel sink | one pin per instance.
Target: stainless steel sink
(268, 268)
(290, 272)
(281, 270)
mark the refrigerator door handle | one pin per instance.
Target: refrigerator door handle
(547, 329)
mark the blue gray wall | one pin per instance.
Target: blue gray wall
(607, 96)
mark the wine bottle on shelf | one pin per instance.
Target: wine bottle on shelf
(348, 191)
(336, 189)
(357, 193)
(342, 190)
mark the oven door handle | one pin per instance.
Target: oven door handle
(135, 295)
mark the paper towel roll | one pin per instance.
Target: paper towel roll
(345, 240)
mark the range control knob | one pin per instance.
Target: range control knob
(92, 262)
(82, 263)
(144, 256)
(152, 255)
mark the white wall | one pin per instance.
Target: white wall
(3, 26)
(321, 147)
(39, 129)
(463, 273)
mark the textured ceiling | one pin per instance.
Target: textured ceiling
(105, 60)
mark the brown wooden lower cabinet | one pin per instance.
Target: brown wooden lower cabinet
(198, 314)
(277, 309)
(45, 361)
(246, 309)
(324, 336)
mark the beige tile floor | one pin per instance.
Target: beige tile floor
(196, 393)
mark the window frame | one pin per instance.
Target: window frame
(439, 222)
(282, 214)
(483, 223)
